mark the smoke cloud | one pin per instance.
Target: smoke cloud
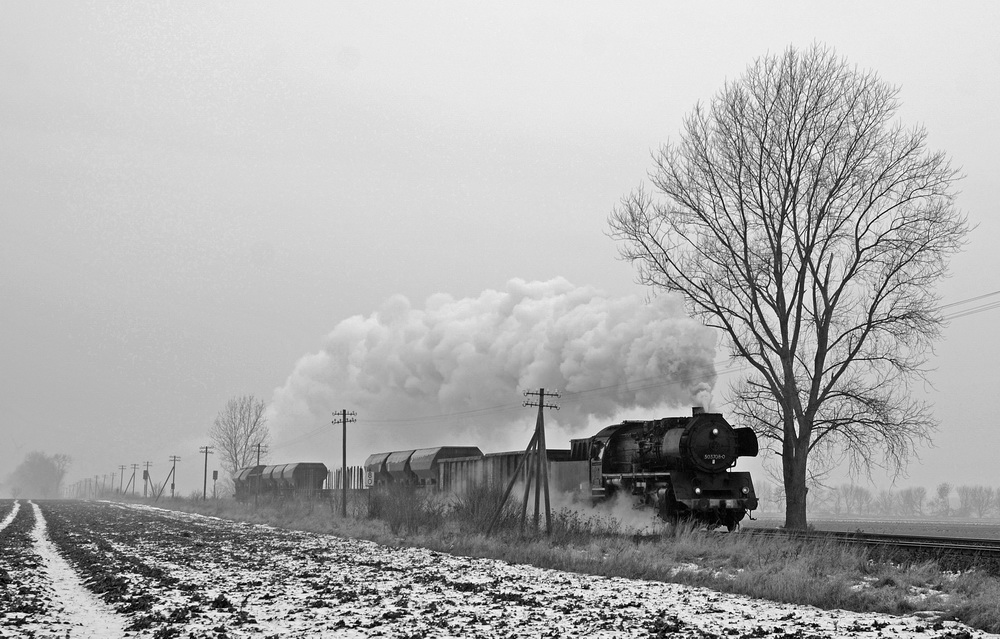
(453, 372)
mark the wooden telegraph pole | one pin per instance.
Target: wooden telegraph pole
(172, 478)
(343, 419)
(535, 461)
(146, 481)
(204, 488)
(131, 481)
(255, 480)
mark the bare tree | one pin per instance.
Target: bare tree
(239, 429)
(857, 499)
(886, 503)
(911, 500)
(983, 503)
(39, 476)
(964, 494)
(942, 503)
(796, 217)
(974, 499)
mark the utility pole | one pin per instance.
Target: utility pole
(538, 471)
(343, 419)
(255, 480)
(121, 478)
(131, 482)
(173, 474)
(145, 478)
(204, 489)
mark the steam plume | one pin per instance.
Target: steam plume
(452, 373)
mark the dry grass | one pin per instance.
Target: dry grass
(826, 575)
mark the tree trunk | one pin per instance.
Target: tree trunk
(794, 470)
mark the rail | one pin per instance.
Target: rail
(951, 553)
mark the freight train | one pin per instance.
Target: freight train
(679, 466)
(301, 479)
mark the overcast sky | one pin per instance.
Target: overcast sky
(201, 200)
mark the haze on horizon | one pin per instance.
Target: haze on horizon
(197, 197)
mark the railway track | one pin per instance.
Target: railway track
(951, 553)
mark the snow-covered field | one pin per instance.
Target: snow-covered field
(85, 569)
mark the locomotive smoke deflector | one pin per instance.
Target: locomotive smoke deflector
(746, 442)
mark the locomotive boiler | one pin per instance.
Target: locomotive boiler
(681, 466)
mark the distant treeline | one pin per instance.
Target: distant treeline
(849, 499)
(39, 476)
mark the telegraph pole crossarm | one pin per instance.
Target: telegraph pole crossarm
(344, 418)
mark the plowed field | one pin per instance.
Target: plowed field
(97, 569)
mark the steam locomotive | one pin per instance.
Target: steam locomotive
(678, 465)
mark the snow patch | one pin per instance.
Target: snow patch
(10, 516)
(78, 613)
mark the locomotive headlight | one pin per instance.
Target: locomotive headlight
(697, 491)
(746, 490)
(715, 432)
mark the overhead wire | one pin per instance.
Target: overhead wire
(967, 300)
(988, 306)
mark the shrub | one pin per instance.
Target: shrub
(474, 509)
(405, 508)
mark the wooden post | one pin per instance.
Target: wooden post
(345, 417)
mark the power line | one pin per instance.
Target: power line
(300, 438)
(972, 311)
(970, 299)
